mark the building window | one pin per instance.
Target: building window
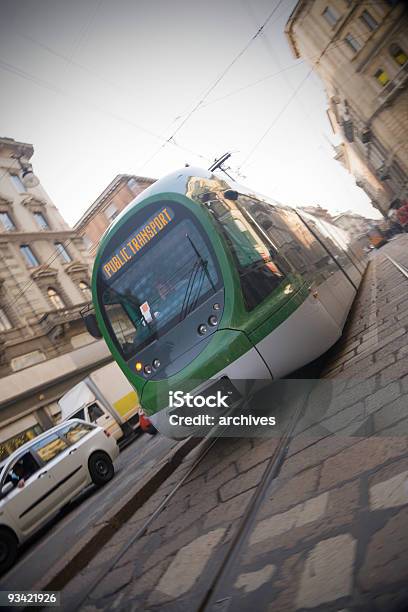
(5, 324)
(27, 360)
(7, 221)
(18, 183)
(331, 15)
(111, 212)
(398, 54)
(352, 43)
(41, 220)
(85, 290)
(133, 185)
(30, 258)
(55, 298)
(63, 253)
(87, 241)
(369, 21)
(382, 77)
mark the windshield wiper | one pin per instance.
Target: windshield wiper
(200, 267)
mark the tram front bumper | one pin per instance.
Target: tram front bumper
(229, 384)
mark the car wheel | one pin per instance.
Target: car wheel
(101, 468)
(8, 549)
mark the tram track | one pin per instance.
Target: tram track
(213, 599)
(403, 269)
(272, 469)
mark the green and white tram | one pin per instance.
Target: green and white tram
(201, 283)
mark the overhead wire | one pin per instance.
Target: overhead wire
(200, 103)
(330, 45)
(214, 84)
(51, 87)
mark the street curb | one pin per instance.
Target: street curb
(81, 553)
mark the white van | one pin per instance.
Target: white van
(45, 474)
(105, 397)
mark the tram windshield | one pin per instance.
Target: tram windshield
(144, 294)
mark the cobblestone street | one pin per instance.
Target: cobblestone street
(330, 532)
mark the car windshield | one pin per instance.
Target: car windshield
(158, 286)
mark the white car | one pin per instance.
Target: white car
(45, 474)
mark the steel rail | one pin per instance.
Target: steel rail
(400, 267)
(212, 600)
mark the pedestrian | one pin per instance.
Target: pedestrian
(402, 215)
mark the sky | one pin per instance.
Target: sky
(99, 86)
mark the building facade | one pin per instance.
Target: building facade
(117, 195)
(360, 51)
(44, 283)
(352, 223)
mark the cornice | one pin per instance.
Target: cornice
(17, 236)
(119, 181)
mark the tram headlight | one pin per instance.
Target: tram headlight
(156, 364)
(148, 369)
(202, 329)
(212, 321)
(216, 306)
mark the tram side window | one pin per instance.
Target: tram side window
(259, 275)
(295, 242)
(330, 241)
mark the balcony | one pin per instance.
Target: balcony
(394, 87)
(54, 323)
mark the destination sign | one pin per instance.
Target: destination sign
(136, 241)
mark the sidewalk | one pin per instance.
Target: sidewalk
(331, 532)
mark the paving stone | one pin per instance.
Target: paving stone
(113, 582)
(106, 555)
(167, 547)
(353, 414)
(243, 482)
(385, 559)
(390, 493)
(392, 413)
(370, 371)
(352, 396)
(227, 474)
(403, 352)
(188, 564)
(399, 430)
(391, 602)
(328, 572)
(393, 346)
(316, 454)
(263, 449)
(341, 512)
(187, 519)
(145, 583)
(287, 493)
(395, 371)
(210, 501)
(360, 458)
(230, 510)
(382, 397)
(307, 512)
(251, 581)
(285, 585)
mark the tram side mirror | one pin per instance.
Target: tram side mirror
(92, 326)
(6, 489)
